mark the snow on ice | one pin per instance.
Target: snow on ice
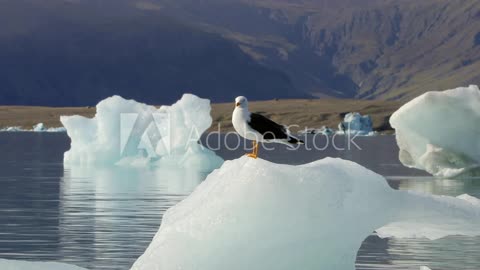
(253, 214)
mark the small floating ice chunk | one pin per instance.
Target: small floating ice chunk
(24, 265)
(438, 132)
(11, 129)
(324, 130)
(355, 123)
(56, 129)
(39, 127)
(254, 214)
(126, 132)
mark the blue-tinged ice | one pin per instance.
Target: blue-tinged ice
(40, 127)
(12, 129)
(439, 132)
(126, 132)
(356, 124)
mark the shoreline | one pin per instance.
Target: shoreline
(301, 113)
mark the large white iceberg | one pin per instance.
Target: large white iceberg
(356, 124)
(253, 214)
(125, 132)
(439, 132)
(24, 265)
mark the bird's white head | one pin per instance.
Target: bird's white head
(241, 102)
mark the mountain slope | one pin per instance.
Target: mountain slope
(368, 49)
(71, 53)
(75, 52)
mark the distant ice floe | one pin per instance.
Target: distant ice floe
(353, 124)
(439, 132)
(323, 130)
(126, 132)
(40, 127)
(356, 124)
(24, 265)
(254, 214)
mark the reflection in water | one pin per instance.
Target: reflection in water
(29, 207)
(105, 218)
(453, 252)
(430, 185)
(114, 212)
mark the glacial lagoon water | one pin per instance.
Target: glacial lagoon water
(104, 218)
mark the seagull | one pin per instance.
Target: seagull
(258, 128)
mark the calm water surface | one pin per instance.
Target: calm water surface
(105, 218)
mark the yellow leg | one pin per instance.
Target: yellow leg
(254, 153)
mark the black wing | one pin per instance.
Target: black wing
(269, 129)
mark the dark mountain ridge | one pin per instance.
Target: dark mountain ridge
(369, 49)
(74, 53)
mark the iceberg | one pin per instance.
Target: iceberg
(254, 214)
(56, 129)
(12, 129)
(24, 265)
(126, 132)
(438, 132)
(40, 127)
(356, 124)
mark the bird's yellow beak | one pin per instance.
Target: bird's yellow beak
(237, 104)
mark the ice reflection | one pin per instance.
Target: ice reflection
(47, 213)
(453, 252)
(113, 212)
(431, 185)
